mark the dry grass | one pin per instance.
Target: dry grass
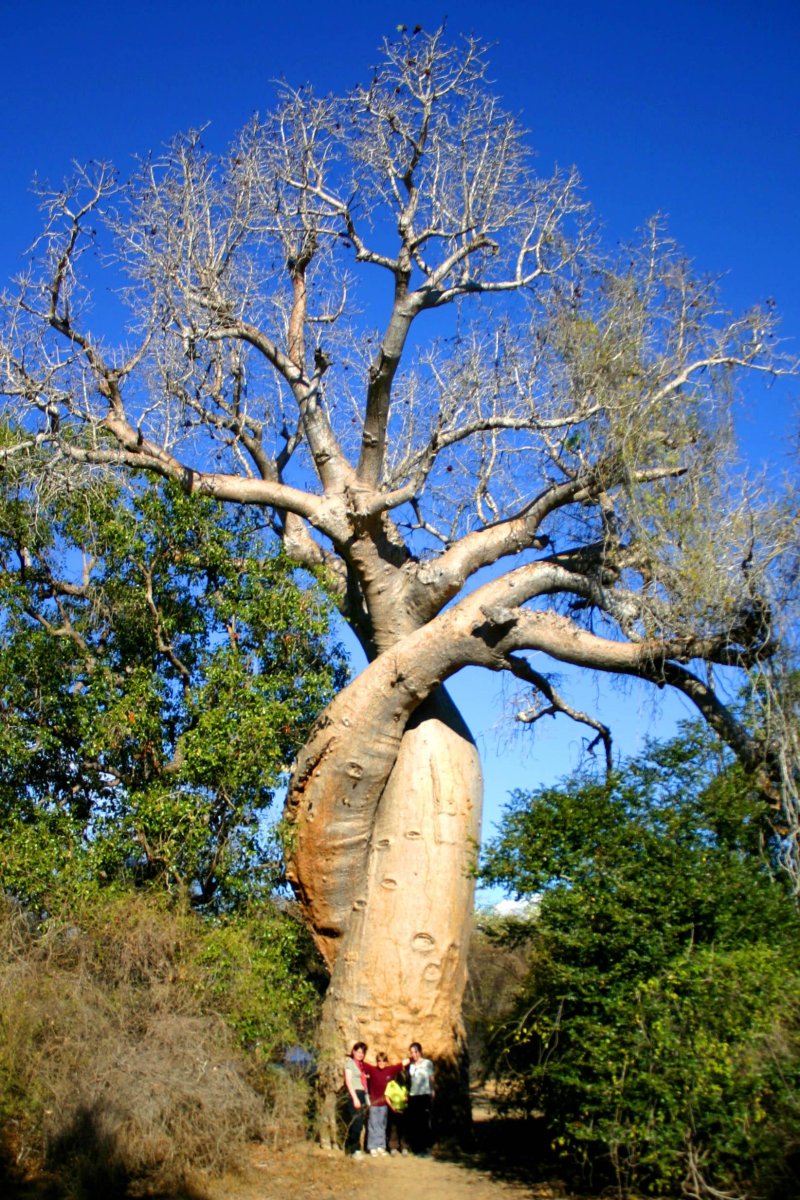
(113, 1073)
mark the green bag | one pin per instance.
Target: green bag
(396, 1095)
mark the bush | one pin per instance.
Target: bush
(497, 965)
(122, 1042)
(714, 1062)
(658, 1028)
(689, 1081)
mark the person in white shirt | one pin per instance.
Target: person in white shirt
(420, 1100)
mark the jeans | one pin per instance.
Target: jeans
(376, 1126)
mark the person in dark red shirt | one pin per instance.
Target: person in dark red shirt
(377, 1120)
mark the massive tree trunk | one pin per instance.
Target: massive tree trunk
(398, 958)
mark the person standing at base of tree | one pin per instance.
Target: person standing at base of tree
(420, 1100)
(378, 1077)
(355, 1080)
(397, 1104)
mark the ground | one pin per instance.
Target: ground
(505, 1164)
(502, 1166)
(308, 1173)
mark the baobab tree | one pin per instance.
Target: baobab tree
(528, 459)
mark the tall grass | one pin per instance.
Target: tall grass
(121, 1045)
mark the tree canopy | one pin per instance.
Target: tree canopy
(574, 403)
(160, 666)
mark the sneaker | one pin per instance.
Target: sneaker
(394, 1153)
(405, 1151)
(357, 1154)
(374, 1153)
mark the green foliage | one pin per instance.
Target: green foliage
(497, 966)
(160, 667)
(658, 1028)
(247, 964)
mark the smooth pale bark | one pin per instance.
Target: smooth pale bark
(399, 974)
(399, 966)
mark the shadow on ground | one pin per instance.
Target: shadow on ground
(89, 1168)
(510, 1149)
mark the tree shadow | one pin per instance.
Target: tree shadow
(509, 1149)
(84, 1162)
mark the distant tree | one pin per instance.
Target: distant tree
(498, 963)
(658, 1028)
(529, 459)
(160, 666)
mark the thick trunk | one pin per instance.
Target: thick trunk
(399, 974)
(399, 967)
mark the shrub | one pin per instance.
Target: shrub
(658, 1028)
(121, 1051)
(498, 963)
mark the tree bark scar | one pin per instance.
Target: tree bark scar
(305, 771)
(423, 943)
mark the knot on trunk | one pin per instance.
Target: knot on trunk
(499, 621)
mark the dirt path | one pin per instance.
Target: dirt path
(305, 1172)
(503, 1167)
(308, 1173)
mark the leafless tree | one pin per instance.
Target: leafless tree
(530, 458)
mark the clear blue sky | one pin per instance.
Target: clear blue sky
(687, 107)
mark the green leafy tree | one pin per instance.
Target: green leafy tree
(160, 667)
(658, 1029)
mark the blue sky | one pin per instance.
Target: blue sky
(689, 107)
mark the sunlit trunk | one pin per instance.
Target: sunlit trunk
(399, 966)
